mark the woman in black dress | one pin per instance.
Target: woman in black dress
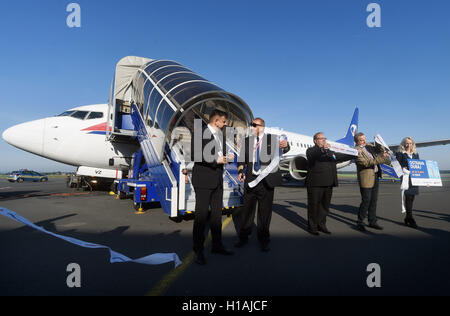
(408, 151)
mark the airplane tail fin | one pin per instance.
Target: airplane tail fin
(352, 130)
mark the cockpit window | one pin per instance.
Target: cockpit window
(66, 113)
(79, 114)
(95, 115)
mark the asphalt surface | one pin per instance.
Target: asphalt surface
(412, 262)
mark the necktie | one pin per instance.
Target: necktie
(257, 162)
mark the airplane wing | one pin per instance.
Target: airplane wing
(424, 144)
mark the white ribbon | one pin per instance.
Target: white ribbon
(404, 186)
(157, 258)
(274, 164)
(394, 162)
(343, 149)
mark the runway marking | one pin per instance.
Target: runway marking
(163, 285)
(5, 188)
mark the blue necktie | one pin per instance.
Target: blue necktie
(257, 162)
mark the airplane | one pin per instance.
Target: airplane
(295, 162)
(77, 137)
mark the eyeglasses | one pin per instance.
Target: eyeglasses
(256, 125)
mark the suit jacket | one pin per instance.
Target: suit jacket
(366, 166)
(322, 170)
(207, 173)
(402, 158)
(245, 163)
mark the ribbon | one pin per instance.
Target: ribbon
(343, 149)
(274, 164)
(394, 162)
(157, 258)
(404, 186)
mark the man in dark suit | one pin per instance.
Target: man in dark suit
(257, 152)
(207, 178)
(320, 180)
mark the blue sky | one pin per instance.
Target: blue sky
(301, 65)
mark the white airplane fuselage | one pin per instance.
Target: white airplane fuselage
(73, 141)
(80, 140)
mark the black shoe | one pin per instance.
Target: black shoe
(265, 248)
(376, 226)
(200, 258)
(240, 243)
(313, 232)
(411, 222)
(361, 227)
(324, 230)
(222, 251)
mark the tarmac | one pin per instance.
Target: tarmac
(411, 261)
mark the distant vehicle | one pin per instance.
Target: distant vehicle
(27, 175)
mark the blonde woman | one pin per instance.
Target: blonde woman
(408, 151)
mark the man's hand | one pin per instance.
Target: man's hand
(241, 177)
(283, 143)
(222, 160)
(231, 156)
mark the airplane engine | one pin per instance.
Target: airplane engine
(298, 167)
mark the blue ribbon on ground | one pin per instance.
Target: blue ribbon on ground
(157, 258)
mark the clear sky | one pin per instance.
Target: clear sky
(301, 65)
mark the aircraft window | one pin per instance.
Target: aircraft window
(79, 114)
(95, 115)
(66, 113)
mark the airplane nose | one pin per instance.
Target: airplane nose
(27, 136)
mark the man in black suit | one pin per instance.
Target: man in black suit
(320, 180)
(257, 152)
(207, 178)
